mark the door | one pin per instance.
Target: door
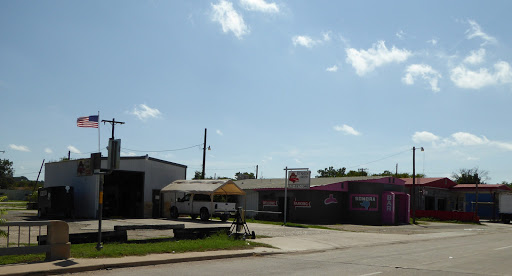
(156, 203)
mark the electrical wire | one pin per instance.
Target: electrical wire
(165, 150)
(379, 159)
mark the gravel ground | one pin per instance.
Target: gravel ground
(82, 226)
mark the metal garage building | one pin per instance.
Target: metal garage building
(132, 191)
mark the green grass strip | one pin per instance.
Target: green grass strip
(117, 250)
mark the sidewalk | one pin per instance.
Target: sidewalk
(311, 240)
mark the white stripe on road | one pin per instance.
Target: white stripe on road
(374, 273)
(503, 247)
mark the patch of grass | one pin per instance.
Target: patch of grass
(113, 250)
(116, 250)
(17, 259)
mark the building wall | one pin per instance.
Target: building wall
(157, 175)
(85, 187)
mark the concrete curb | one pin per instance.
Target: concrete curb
(47, 269)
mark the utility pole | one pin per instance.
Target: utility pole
(256, 171)
(113, 123)
(101, 177)
(204, 154)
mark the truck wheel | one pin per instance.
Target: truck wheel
(205, 215)
(174, 212)
(224, 217)
(193, 216)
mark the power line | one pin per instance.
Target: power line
(165, 150)
(379, 159)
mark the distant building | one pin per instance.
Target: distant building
(132, 191)
(363, 200)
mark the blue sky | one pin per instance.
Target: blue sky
(303, 84)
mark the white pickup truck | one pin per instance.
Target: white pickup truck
(201, 205)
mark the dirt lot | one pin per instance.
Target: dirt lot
(81, 226)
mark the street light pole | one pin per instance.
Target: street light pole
(413, 192)
(204, 154)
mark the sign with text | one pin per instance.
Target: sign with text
(269, 203)
(303, 204)
(299, 179)
(364, 202)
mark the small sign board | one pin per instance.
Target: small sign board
(84, 167)
(299, 179)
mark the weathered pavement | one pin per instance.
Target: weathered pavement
(284, 239)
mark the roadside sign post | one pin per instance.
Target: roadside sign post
(300, 178)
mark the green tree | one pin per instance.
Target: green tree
(332, 172)
(360, 172)
(470, 176)
(399, 175)
(6, 174)
(244, 175)
(2, 211)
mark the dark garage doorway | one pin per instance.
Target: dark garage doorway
(123, 194)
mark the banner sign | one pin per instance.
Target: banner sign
(303, 204)
(364, 202)
(299, 179)
(269, 203)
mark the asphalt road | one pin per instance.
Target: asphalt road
(485, 253)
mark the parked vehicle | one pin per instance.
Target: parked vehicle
(55, 201)
(202, 205)
(505, 207)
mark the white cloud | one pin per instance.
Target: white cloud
(433, 41)
(400, 34)
(73, 149)
(463, 139)
(304, 40)
(229, 19)
(219, 132)
(476, 31)
(425, 72)
(326, 36)
(365, 61)
(468, 139)
(19, 148)
(144, 112)
(334, 68)
(475, 57)
(347, 130)
(129, 153)
(259, 5)
(465, 78)
(424, 137)
(48, 150)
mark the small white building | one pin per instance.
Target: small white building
(132, 191)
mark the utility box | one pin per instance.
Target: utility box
(57, 201)
(505, 207)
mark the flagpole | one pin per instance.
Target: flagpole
(99, 147)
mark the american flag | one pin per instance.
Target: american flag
(88, 121)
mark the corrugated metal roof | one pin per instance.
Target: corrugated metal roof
(216, 187)
(278, 183)
(483, 186)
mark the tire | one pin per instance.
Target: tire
(174, 212)
(204, 214)
(193, 216)
(224, 217)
